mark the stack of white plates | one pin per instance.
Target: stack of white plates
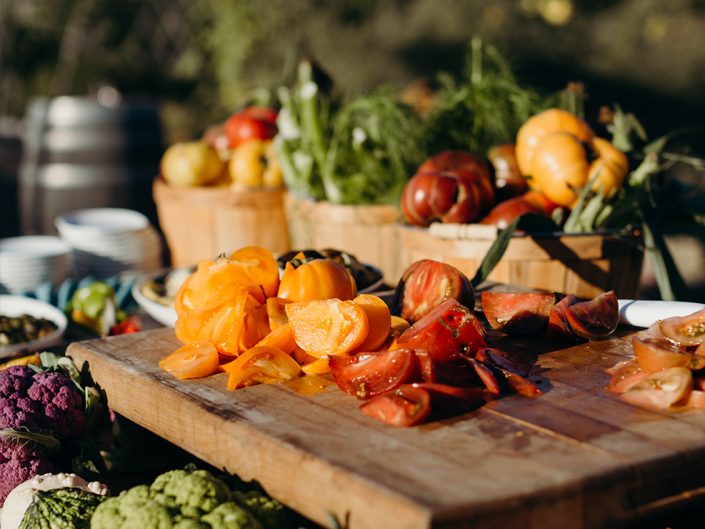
(27, 262)
(110, 241)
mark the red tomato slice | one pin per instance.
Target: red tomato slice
(367, 375)
(654, 355)
(486, 376)
(262, 364)
(517, 312)
(625, 375)
(685, 330)
(448, 332)
(595, 318)
(405, 406)
(662, 389)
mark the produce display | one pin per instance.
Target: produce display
(24, 328)
(239, 154)
(667, 370)
(94, 307)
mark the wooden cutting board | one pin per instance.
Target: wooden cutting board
(575, 458)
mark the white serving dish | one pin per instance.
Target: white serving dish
(27, 262)
(19, 305)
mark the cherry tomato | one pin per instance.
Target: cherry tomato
(251, 123)
(404, 406)
(448, 332)
(367, 375)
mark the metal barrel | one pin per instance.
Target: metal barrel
(80, 154)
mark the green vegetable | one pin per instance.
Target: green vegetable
(65, 508)
(362, 154)
(269, 511)
(179, 499)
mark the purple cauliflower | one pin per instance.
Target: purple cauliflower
(46, 402)
(18, 463)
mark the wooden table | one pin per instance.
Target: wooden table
(575, 458)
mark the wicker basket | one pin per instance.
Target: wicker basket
(202, 222)
(584, 265)
(368, 232)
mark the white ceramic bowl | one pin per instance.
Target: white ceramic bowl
(164, 314)
(27, 262)
(100, 222)
(19, 305)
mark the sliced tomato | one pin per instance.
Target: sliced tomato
(260, 266)
(514, 362)
(517, 312)
(193, 360)
(685, 330)
(596, 318)
(367, 375)
(447, 399)
(625, 375)
(425, 365)
(276, 312)
(558, 326)
(523, 386)
(662, 389)
(319, 366)
(281, 338)
(696, 399)
(448, 332)
(378, 318)
(486, 376)
(654, 355)
(404, 406)
(327, 327)
(261, 365)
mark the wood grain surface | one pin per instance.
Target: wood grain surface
(575, 458)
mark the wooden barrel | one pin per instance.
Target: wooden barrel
(203, 222)
(80, 154)
(584, 264)
(368, 232)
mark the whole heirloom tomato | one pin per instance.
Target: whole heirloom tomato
(553, 148)
(317, 279)
(251, 123)
(254, 164)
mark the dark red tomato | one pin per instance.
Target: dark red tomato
(523, 386)
(517, 312)
(486, 376)
(504, 213)
(251, 123)
(596, 318)
(519, 363)
(685, 330)
(540, 200)
(405, 406)
(426, 284)
(558, 327)
(457, 161)
(425, 366)
(467, 394)
(450, 331)
(367, 375)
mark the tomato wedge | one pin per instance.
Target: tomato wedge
(193, 360)
(319, 366)
(625, 375)
(517, 312)
(328, 327)
(261, 365)
(696, 399)
(404, 406)
(260, 266)
(448, 332)
(281, 338)
(596, 318)
(276, 312)
(450, 399)
(662, 389)
(379, 319)
(685, 330)
(654, 355)
(367, 375)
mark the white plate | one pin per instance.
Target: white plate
(164, 314)
(644, 313)
(95, 221)
(18, 305)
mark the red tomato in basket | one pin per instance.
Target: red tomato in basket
(251, 123)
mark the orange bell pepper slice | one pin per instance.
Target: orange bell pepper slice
(193, 360)
(328, 326)
(379, 319)
(261, 365)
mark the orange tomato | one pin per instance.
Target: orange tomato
(379, 319)
(193, 360)
(261, 365)
(261, 267)
(276, 312)
(319, 366)
(328, 327)
(559, 167)
(547, 122)
(317, 279)
(281, 338)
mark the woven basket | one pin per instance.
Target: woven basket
(584, 265)
(367, 232)
(203, 222)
